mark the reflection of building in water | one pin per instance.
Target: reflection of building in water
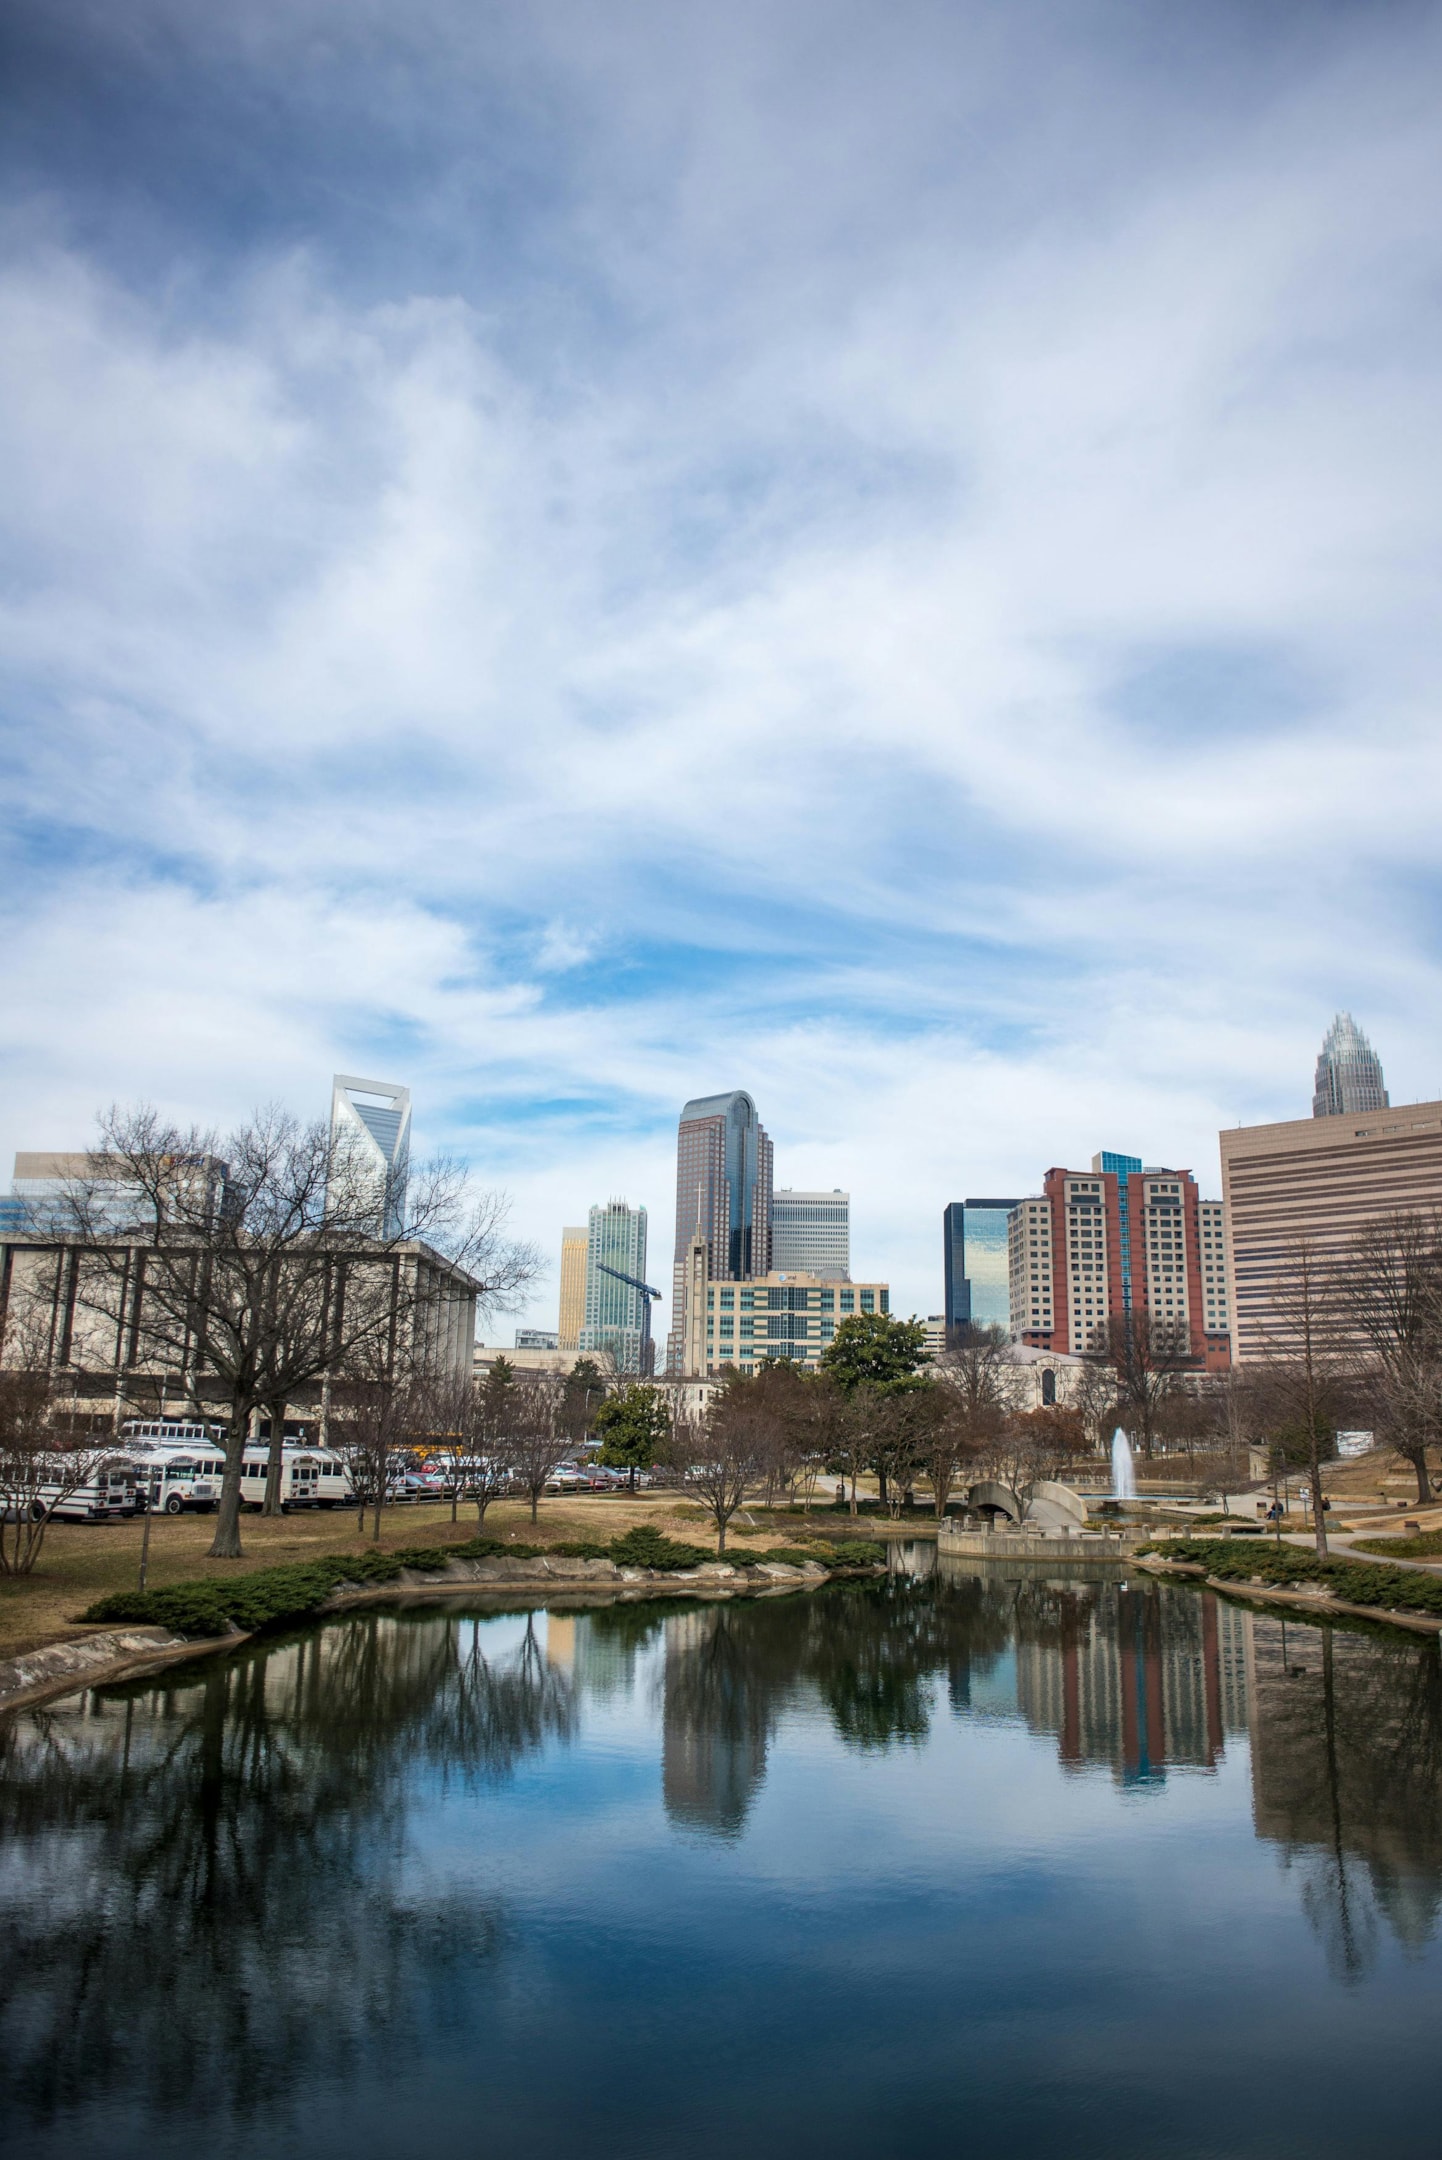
(1134, 1679)
(714, 1724)
(601, 1649)
(561, 1641)
(1347, 1775)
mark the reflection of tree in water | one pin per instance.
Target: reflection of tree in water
(1347, 1779)
(870, 1652)
(873, 1651)
(205, 1898)
(719, 1703)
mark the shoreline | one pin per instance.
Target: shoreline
(1320, 1604)
(129, 1652)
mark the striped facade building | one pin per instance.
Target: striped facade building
(1322, 1179)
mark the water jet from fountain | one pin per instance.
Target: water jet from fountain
(1124, 1475)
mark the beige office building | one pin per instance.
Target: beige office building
(786, 1314)
(572, 1317)
(1319, 1178)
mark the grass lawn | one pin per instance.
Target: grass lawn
(1425, 1545)
(81, 1562)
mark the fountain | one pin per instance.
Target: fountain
(1124, 1476)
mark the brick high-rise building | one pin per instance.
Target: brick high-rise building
(724, 1175)
(1119, 1238)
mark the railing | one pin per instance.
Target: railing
(1020, 1543)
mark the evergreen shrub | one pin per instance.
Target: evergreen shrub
(1288, 1568)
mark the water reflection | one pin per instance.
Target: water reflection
(232, 1852)
(1347, 1779)
(223, 1855)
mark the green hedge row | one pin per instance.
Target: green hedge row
(273, 1597)
(1391, 1589)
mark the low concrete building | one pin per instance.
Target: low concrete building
(529, 1359)
(102, 1317)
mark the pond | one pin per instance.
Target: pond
(976, 1862)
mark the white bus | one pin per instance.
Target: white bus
(110, 1488)
(179, 1476)
(309, 1477)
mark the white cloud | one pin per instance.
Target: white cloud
(696, 651)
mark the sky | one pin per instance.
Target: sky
(575, 557)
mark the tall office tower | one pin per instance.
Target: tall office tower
(955, 1303)
(1349, 1072)
(723, 1194)
(616, 1316)
(811, 1232)
(572, 1316)
(1323, 1179)
(1095, 1246)
(370, 1148)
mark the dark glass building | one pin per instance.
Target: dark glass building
(974, 1252)
(955, 1305)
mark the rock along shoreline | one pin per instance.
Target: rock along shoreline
(129, 1653)
(1319, 1603)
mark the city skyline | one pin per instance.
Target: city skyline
(374, 1116)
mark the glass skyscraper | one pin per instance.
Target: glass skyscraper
(370, 1147)
(974, 1253)
(955, 1305)
(988, 1287)
(1349, 1072)
(723, 1194)
(616, 1318)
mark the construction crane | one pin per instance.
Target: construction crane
(648, 1295)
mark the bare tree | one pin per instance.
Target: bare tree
(1032, 1444)
(1307, 1375)
(778, 1387)
(41, 1462)
(535, 1442)
(39, 1467)
(378, 1420)
(815, 1413)
(983, 1379)
(1147, 1357)
(1093, 1395)
(938, 1436)
(718, 1458)
(259, 1264)
(1393, 1304)
(455, 1420)
(852, 1420)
